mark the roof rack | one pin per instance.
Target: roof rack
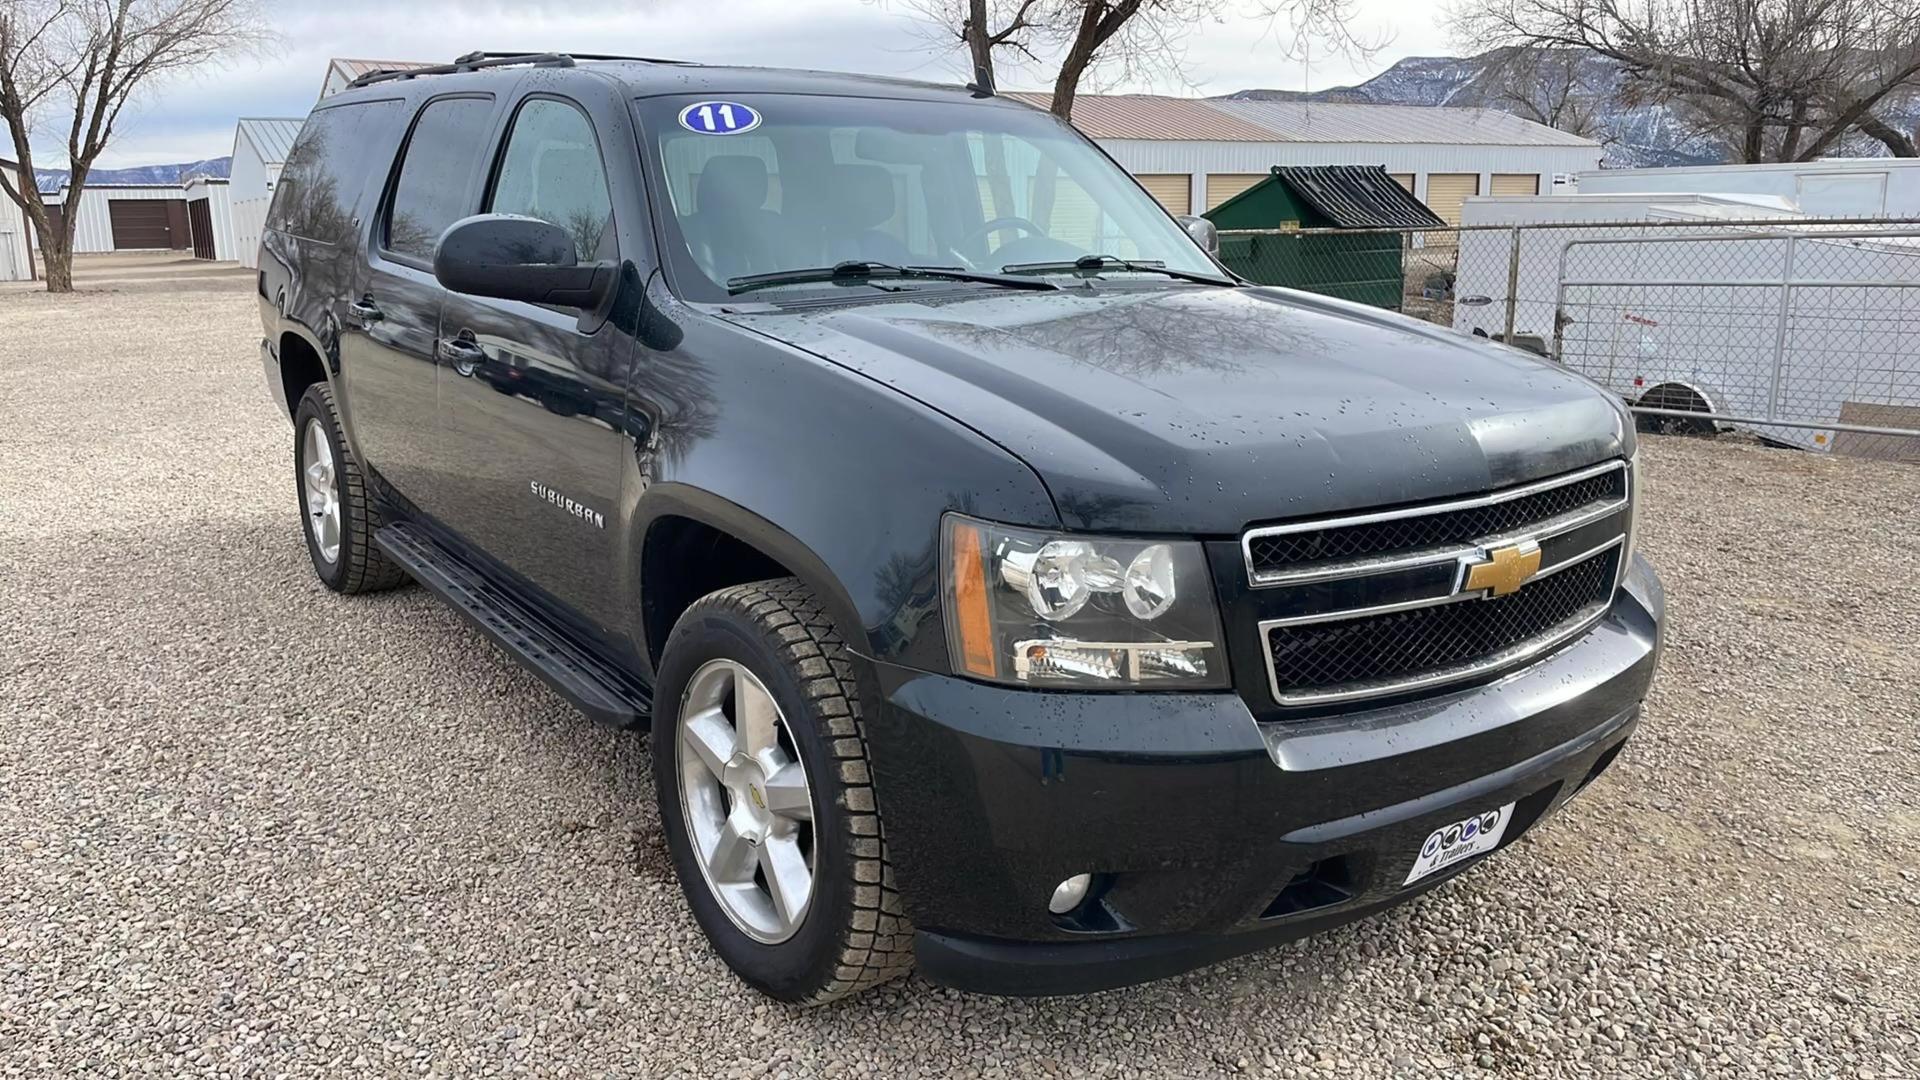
(475, 61)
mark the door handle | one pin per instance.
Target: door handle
(463, 352)
(365, 310)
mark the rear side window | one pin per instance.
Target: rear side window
(441, 157)
(552, 171)
(327, 169)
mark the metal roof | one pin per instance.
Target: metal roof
(1329, 122)
(353, 69)
(1149, 116)
(272, 137)
(1356, 196)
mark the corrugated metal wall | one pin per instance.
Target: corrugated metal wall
(93, 228)
(1155, 156)
(14, 228)
(220, 209)
(1219, 170)
(249, 222)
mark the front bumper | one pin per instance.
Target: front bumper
(1213, 834)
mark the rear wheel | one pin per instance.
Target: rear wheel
(337, 517)
(1674, 396)
(760, 765)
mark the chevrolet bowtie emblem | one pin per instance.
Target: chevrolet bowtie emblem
(1503, 569)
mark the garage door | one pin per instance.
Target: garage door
(1174, 190)
(1446, 192)
(1404, 179)
(1224, 186)
(1516, 184)
(143, 223)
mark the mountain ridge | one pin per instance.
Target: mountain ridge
(1634, 136)
(217, 168)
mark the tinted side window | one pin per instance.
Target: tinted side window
(442, 155)
(328, 168)
(552, 171)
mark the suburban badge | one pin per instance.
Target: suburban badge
(572, 506)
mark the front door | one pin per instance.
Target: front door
(533, 397)
(391, 320)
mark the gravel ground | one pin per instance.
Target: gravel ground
(250, 828)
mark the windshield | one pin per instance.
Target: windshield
(761, 184)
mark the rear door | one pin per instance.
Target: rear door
(392, 317)
(533, 397)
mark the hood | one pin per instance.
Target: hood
(1202, 410)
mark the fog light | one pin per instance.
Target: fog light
(1070, 893)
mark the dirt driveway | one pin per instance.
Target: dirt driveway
(250, 828)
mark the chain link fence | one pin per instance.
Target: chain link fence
(1802, 333)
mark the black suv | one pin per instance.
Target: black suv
(1006, 586)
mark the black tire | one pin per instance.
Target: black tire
(853, 935)
(1673, 396)
(360, 566)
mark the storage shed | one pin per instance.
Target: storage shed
(16, 249)
(260, 146)
(127, 217)
(1193, 154)
(210, 217)
(1366, 267)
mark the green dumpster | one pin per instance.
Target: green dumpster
(1365, 264)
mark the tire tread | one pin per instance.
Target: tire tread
(366, 567)
(876, 945)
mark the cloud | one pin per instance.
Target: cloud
(191, 117)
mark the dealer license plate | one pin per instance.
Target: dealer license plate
(1463, 839)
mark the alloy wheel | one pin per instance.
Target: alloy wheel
(745, 800)
(321, 483)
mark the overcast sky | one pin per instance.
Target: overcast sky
(193, 117)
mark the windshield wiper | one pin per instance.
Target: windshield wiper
(1113, 262)
(857, 270)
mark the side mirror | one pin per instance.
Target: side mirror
(1203, 232)
(509, 257)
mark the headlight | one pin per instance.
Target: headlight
(1041, 609)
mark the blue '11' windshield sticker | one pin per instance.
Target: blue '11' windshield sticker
(718, 118)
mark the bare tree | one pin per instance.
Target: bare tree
(1124, 40)
(1784, 79)
(70, 66)
(1545, 86)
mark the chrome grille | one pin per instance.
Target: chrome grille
(1412, 536)
(1375, 604)
(1443, 642)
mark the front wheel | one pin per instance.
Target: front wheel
(760, 766)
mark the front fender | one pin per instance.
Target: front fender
(839, 478)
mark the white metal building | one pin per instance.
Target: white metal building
(1836, 187)
(1195, 154)
(260, 147)
(16, 249)
(210, 217)
(127, 217)
(341, 71)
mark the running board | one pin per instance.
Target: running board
(595, 687)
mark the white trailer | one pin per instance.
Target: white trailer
(1519, 240)
(1789, 328)
(1837, 187)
